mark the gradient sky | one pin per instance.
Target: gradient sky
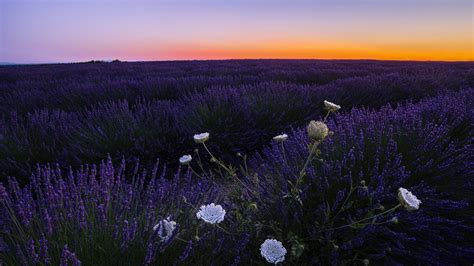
(33, 31)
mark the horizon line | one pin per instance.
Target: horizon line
(228, 59)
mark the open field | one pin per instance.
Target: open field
(80, 180)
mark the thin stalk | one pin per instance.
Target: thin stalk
(283, 152)
(326, 117)
(310, 157)
(194, 172)
(365, 219)
(217, 160)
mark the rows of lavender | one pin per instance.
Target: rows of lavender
(373, 184)
(79, 113)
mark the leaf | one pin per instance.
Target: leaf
(297, 249)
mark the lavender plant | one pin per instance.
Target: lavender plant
(346, 209)
(356, 188)
(94, 216)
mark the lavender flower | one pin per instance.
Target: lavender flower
(68, 256)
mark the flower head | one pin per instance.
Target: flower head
(280, 138)
(317, 130)
(273, 251)
(185, 159)
(332, 107)
(201, 138)
(165, 229)
(408, 200)
(211, 213)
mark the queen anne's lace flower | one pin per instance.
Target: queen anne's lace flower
(165, 228)
(331, 106)
(185, 159)
(317, 130)
(211, 213)
(201, 138)
(408, 200)
(280, 138)
(273, 251)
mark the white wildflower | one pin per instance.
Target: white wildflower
(165, 229)
(332, 107)
(185, 159)
(211, 213)
(201, 138)
(408, 200)
(317, 130)
(280, 138)
(273, 251)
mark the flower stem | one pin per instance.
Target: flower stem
(194, 172)
(326, 116)
(365, 219)
(310, 157)
(284, 153)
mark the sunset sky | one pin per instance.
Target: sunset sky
(34, 31)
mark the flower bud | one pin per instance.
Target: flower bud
(366, 261)
(253, 206)
(317, 130)
(395, 220)
(362, 183)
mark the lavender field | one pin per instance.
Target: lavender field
(237, 162)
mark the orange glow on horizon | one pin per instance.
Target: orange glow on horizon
(280, 50)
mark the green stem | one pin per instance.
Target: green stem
(310, 157)
(284, 153)
(326, 117)
(225, 231)
(180, 239)
(365, 219)
(217, 160)
(345, 202)
(194, 172)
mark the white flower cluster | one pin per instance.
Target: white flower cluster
(317, 130)
(185, 159)
(201, 138)
(408, 200)
(332, 107)
(211, 213)
(280, 138)
(273, 251)
(165, 229)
